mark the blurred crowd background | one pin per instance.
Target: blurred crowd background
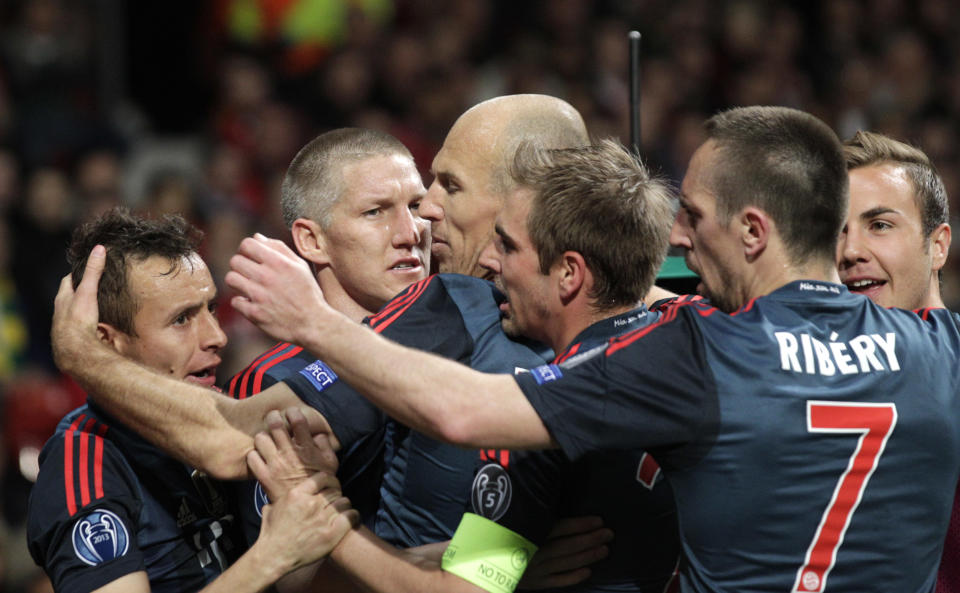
(197, 107)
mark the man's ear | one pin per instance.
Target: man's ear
(755, 229)
(572, 275)
(310, 241)
(113, 337)
(940, 245)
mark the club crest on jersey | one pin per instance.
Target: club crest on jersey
(260, 499)
(319, 374)
(491, 491)
(99, 537)
(545, 373)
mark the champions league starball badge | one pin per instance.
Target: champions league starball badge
(491, 492)
(260, 499)
(99, 537)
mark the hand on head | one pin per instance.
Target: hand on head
(75, 315)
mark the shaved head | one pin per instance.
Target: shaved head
(500, 125)
(472, 171)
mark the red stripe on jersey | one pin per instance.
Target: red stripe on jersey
(98, 467)
(647, 471)
(68, 465)
(84, 470)
(242, 393)
(391, 312)
(258, 378)
(630, 337)
(570, 352)
(399, 300)
(745, 308)
(668, 314)
(501, 456)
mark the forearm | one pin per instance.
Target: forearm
(438, 397)
(432, 394)
(381, 568)
(253, 572)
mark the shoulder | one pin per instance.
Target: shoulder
(272, 366)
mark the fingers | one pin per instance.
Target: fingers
(556, 581)
(348, 520)
(299, 427)
(258, 467)
(91, 274)
(279, 434)
(265, 446)
(572, 545)
(318, 425)
(584, 557)
(317, 447)
(575, 544)
(322, 483)
(65, 290)
(572, 525)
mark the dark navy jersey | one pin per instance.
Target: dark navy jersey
(426, 483)
(527, 491)
(812, 439)
(360, 458)
(107, 504)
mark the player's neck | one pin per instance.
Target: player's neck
(933, 299)
(776, 272)
(340, 299)
(575, 322)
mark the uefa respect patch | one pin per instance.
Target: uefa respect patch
(100, 536)
(319, 374)
(545, 373)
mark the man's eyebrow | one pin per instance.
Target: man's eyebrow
(504, 236)
(877, 211)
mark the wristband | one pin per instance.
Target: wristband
(487, 554)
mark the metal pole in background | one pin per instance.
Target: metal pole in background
(634, 37)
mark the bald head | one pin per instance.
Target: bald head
(500, 125)
(472, 176)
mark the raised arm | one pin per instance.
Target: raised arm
(438, 397)
(205, 429)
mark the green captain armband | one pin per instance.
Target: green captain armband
(488, 555)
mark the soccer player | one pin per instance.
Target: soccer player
(350, 198)
(577, 246)
(426, 484)
(893, 249)
(786, 415)
(109, 512)
(897, 235)
(184, 423)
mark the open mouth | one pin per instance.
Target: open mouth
(407, 265)
(206, 376)
(864, 285)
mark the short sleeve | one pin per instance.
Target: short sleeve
(649, 389)
(83, 514)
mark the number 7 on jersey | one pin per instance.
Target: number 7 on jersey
(874, 423)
